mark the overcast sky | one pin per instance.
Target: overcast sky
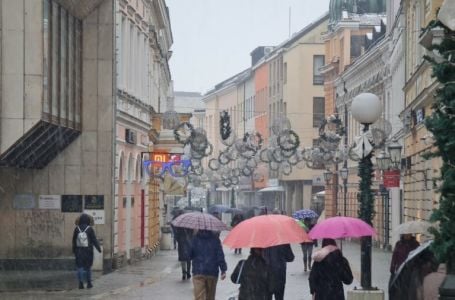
(213, 38)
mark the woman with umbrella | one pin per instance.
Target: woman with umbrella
(406, 244)
(330, 270)
(307, 247)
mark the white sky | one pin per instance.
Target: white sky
(213, 38)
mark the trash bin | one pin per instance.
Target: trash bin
(166, 238)
(98, 258)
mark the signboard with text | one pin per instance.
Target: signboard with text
(49, 202)
(71, 203)
(97, 214)
(391, 178)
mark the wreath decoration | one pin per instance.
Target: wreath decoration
(225, 125)
(179, 133)
(288, 140)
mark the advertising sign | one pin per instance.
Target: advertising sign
(391, 178)
(49, 202)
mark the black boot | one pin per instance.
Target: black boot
(188, 275)
(81, 285)
(89, 285)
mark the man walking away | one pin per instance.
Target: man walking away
(208, 259)
(235, 221)
(307, 247)
(183, 237)
(277, 257)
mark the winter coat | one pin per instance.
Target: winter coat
(255, 279)
(84, 255)
(400, 253)
(183, 237)
(207, 254)
(236, 220)
(330, 270)
(277, 257)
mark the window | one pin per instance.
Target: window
(62, 65)
(318, 62)
(318, 111)
(285, 75)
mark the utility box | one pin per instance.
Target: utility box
(98, 258)
(166, 238)
(365, 295)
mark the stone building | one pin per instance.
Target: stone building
(65, 111)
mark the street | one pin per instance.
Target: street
(160, 278)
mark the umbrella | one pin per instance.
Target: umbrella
(413, 227)
(265, 231)
(400, 284)
(302, 224)
(305, 214)
(235, 211)
(198, 220)
(341, 227)
(218, 208)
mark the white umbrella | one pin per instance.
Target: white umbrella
(413, 227)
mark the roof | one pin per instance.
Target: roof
(237, 78)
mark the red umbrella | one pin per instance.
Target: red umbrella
(341, 227)
(198, 220)
(266, 231)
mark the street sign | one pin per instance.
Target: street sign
(391, 178)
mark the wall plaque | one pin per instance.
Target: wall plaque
(71, 203)
(49, 202)
(24, 201)
(94, 202)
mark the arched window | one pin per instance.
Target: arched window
(138, 168)
(130, 170)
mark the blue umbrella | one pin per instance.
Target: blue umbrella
(305, 214)
(218, 208)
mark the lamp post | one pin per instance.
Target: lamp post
(366, 109)
(344, 173)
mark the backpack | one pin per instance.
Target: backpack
(82, 238)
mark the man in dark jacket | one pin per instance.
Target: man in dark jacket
(235, 221)
(84, 251)
(208, 259)
(330, 270)
(277, 257)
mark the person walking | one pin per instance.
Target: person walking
(184, 237)
(235, 221)
(406, 244)
(208, 260)
(307, 247)
(330, 270)
(84, 239)
(277, 257)
(254, 277)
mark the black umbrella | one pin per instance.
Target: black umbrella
(411, 272)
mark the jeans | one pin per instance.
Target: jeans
(82, 272)
(186, 267)
(307, 249)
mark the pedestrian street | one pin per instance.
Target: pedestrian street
(160, 278)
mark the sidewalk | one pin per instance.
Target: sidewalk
(160, 278)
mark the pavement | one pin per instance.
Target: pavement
(160, 278)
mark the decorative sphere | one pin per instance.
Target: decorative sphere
(366, 108)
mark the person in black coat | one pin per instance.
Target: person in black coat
(330, 270)
(235, 221)
(84, 254)
(184, 237)
(254, 277)
(277, 257)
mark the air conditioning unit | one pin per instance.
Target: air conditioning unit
(130, 136)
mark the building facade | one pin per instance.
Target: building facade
(76, 110)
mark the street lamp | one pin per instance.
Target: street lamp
(366, 109)
(344, 173)
(395, 154)
(384, 161)
(327, 175)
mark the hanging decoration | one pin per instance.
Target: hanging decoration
(225, 125)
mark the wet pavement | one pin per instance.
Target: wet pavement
(160, 278)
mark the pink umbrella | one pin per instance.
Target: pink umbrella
(341, 227)
(265, 231)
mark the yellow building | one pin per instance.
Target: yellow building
(419, 196)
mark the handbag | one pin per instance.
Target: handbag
(240, 272)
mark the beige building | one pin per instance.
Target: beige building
(66, 104)
(420, 196)
(301, 100)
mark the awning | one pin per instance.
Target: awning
(222, 189)
(272, 189)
